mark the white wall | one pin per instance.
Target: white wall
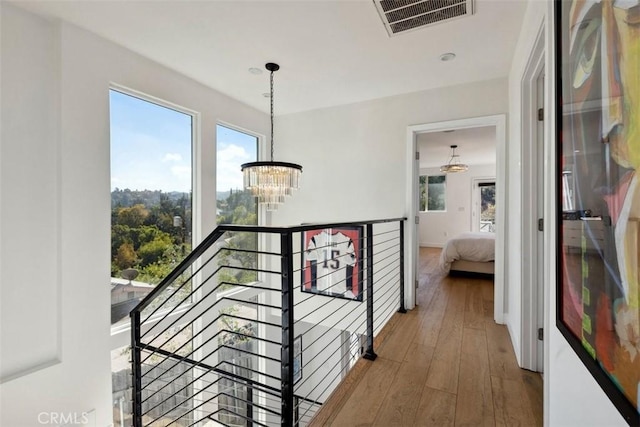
(571, 395)
(354, 156)
(437, 227)
(55, 205)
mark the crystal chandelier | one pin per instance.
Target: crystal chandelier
(454, 164)
(271, 181)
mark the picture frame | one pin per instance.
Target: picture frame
(598, 201)
(297, 359)
(332, 262)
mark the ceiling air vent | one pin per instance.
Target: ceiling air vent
(399, 16)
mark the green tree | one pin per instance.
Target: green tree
(133, 216)
(125, 256)
(153, 251)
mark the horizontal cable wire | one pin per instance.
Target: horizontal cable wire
(329, 301)
(224, 375)
(187, 312)
(198, 288)
(186, 281)
(185, 357)
(362, 322)
(390, 302)
(212, 322)
(335, 376)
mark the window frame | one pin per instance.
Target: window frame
(426, 184)
(120, 334)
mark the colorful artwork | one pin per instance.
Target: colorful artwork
(599, 155)
(332, 262)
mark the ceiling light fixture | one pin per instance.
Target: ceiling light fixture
(271, 181)
(449, 56)
(256, 71)
(454, 164)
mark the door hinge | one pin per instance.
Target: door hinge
(540, 334)
(417, 155)
(540, 224)
(417, 220)
(540, 114)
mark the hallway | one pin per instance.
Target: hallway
(444, 363)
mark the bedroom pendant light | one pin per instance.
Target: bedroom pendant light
(454, 164)
(269, 181)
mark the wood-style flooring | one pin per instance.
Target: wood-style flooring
(445, 363)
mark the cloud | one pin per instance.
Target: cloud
(228, 172)
(233, 153)
(183, 172)
(172, 157)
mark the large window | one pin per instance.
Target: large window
(433, 193)
(151, 215)
(234, 204)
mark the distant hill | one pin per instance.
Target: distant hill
(222, 195)
(149, 198)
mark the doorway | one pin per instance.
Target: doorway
(412, 204)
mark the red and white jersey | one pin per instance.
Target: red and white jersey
(332, 254)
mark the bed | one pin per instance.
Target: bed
(469, 253)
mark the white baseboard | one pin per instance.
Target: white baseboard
(431, 245)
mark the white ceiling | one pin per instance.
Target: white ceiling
(476, 146)
(331, 52)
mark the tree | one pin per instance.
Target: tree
(126, 256)
(153, 251)
(133, 216)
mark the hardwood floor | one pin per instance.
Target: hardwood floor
(445, 363)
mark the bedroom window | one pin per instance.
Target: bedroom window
(487, 206)
(433, 193)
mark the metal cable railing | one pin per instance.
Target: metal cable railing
(258, 325)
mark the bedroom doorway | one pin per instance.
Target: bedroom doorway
(412, 241)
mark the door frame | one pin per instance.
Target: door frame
(532, 148)
(411, 242)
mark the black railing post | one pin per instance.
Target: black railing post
(402, 309)
(369, 353)
(286, 248)
(249, 404)
(136, 368)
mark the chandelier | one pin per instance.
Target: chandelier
(270, 182)
(454, 164)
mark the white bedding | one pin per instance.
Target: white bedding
(479, 247)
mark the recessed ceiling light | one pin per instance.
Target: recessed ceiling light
(266, 95)
(449, 56)
(254, 70)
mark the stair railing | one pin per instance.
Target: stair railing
(258, 325)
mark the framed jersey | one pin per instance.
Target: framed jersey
(332, 262)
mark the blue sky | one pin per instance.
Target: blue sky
(234, 149)
(151, 148)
